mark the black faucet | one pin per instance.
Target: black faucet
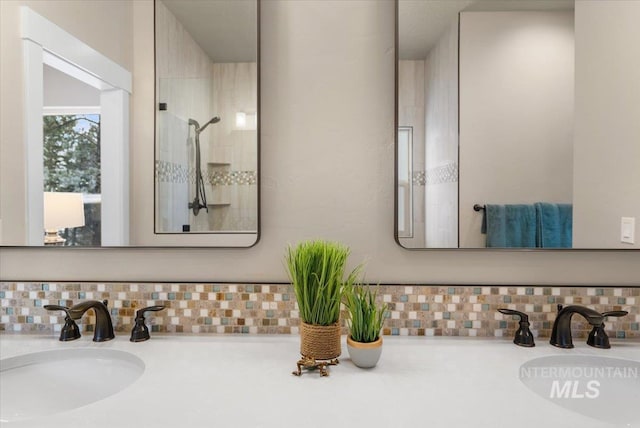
(103, 330)
(70, 331)
(598, 337)
(561, 333)
(523, 337)
(140, 331)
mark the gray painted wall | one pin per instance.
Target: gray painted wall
(327, 169)
(607, 130)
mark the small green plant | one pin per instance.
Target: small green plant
(316, 270)
(366, 315)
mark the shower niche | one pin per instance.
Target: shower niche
(207, 126)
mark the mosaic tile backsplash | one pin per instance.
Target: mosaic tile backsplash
(271, 308)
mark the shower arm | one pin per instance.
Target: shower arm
(196, 205)
(199, 182)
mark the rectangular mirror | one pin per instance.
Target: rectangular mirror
(207, 120)
(75, 152)
(488, 91)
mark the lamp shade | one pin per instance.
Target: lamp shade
(63, 210)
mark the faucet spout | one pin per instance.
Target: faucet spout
(561, 333)
(103, 330)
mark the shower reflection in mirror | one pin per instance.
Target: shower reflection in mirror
(206, 119)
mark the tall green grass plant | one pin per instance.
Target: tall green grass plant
(316, 270)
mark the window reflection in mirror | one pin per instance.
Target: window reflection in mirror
(71, 152)
(206, 154)
(72, 164)
(405, 188)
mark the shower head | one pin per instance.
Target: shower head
(214, 119)
(199, 128)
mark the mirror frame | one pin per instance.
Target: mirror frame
(396, 236)
(211, 239)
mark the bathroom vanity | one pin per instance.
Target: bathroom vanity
(246, 381)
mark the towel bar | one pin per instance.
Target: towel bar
(478, 207)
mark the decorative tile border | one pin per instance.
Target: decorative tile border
(228, 178)
(447, 173)
(170, 172)
(419, 178)
(271, 308)
(439, 175)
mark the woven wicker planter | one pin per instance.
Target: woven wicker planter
(319, 341)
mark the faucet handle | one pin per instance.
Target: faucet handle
(70, 331)
(522, 315)
(523, 337)
(57, 308)
(598, 337)
(614, 313)
(140, 312)
(140, 331)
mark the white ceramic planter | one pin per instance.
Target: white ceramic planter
(364, 355)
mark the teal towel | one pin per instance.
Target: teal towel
(555, 225)
(510, 226)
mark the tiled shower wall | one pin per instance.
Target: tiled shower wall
(271, 308)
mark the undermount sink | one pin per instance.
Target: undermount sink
(45, 383)
(601, 387)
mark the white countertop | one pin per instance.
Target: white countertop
(246, 381)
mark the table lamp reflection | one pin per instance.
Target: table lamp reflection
(61, 210)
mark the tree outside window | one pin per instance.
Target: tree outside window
(72, 164)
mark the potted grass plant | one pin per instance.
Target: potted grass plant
(366, 318)
(316, 269)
